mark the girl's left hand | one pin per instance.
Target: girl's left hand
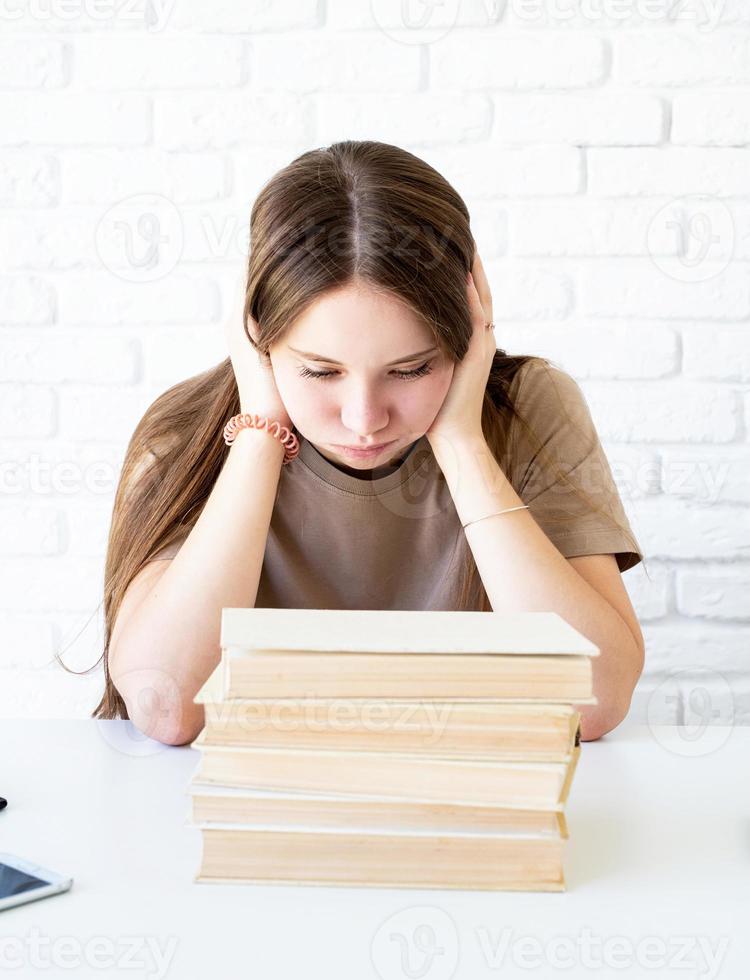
(460, 414)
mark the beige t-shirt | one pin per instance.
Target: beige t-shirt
(338, 541)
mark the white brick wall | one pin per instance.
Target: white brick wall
(604, 152)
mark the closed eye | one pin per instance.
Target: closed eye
(419, 372)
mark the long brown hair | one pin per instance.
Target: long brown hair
(356, 209)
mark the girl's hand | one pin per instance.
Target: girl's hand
(254, 375)
(460, 414)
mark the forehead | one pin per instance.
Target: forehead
(355, 318)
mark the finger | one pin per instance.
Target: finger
(482, 285)
(476, 310)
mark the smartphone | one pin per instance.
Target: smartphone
(22, 881)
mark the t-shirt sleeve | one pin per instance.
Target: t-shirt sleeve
(563, 437)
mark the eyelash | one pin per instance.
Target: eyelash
(419, 372)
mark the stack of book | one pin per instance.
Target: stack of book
(390, 748)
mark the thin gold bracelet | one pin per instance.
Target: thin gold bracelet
(522, 507)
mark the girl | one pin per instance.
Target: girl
(434, 470)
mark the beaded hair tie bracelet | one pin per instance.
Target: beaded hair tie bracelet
(244, 420)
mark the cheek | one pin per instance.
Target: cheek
(443, 380)
(419, 401)
(302, 398)
(439, 386)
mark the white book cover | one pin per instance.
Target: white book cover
(400, 631)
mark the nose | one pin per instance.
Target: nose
(364, 414)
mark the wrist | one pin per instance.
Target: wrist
(449, 445)
(469, 466)
(249, 433)
(266, 424)
(273, 414)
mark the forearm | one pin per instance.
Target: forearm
(170, 645)
(522, 570)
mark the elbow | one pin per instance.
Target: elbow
(596, 723)
(181, 736)
(177, 728)
(157, 706)
(612, 708)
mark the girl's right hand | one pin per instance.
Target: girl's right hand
(254, 374)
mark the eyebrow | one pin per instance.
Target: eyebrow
(330, 360)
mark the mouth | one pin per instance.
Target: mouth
(368, 452)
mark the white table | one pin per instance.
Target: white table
(657, 871)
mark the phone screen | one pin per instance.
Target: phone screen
(13, 881)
